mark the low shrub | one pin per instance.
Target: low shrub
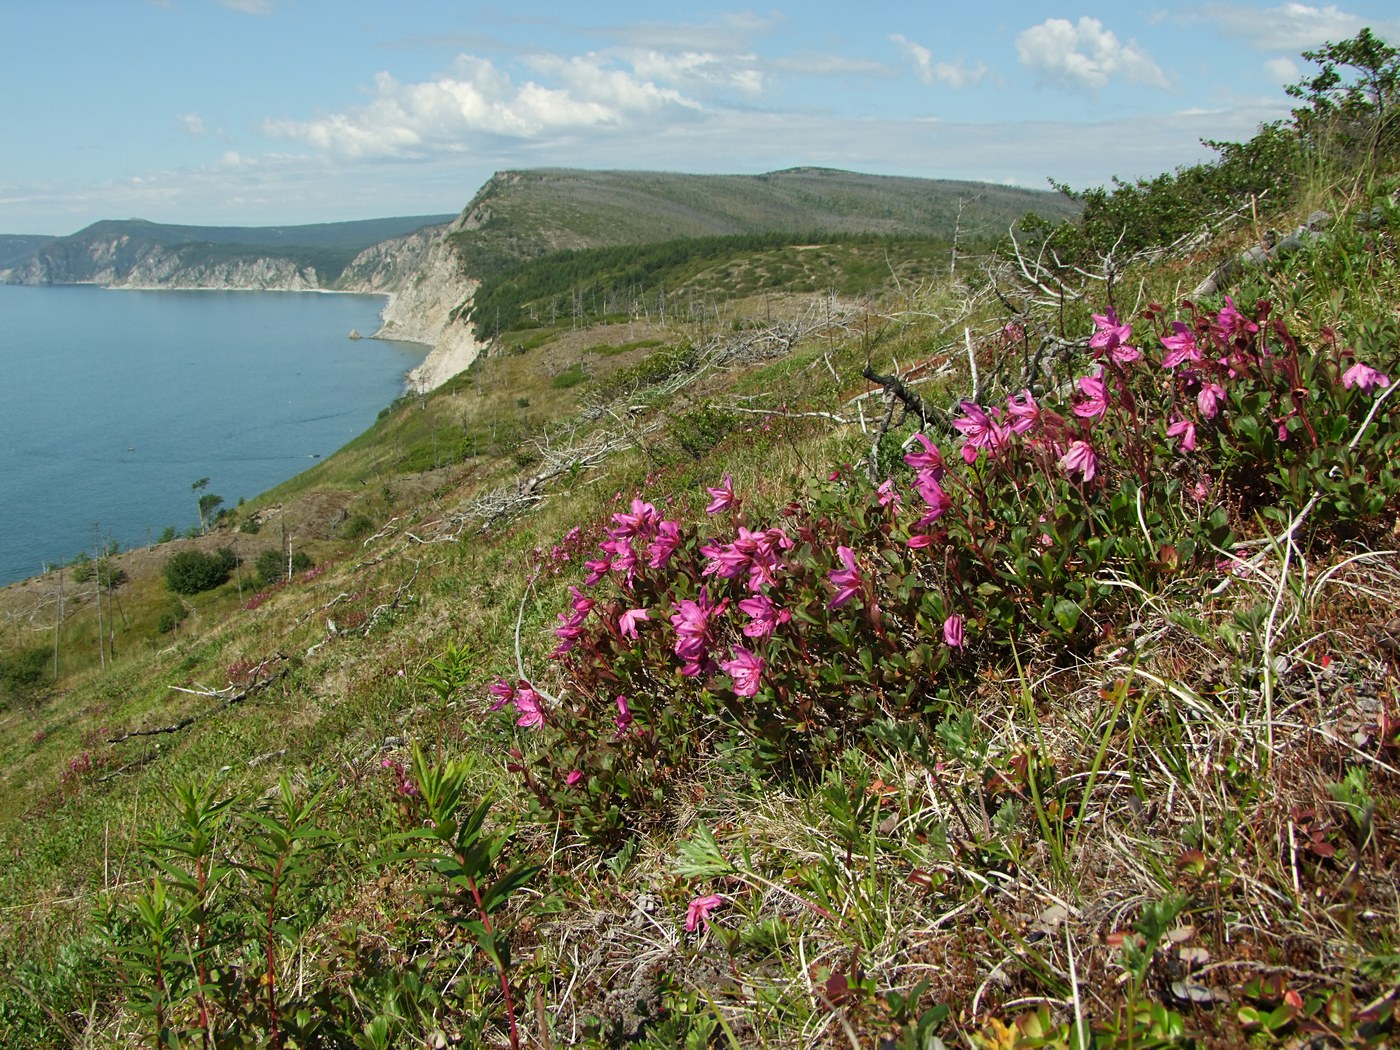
(192, 572)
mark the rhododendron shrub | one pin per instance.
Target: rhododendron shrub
(779, 642)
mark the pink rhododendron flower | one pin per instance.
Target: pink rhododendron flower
(624, 715)
(887, 496)
(934, 497)
(693, 640)
(1095, 391)
(764, 616)
(1210, 399)
(927, 459)
(527, 703)
(699, 911)
(668, 539)
(1230, 320)
(503, 692)
(1181, 346)
(1024, 412)
(919, 541)
(575, 775)
(597, 570)
(980, 430)
(1186, 431)
(1364, 377)
(746, 668)
(627, 622)
(642, 520)
(581, 602)
(1112, 338)
(721, 498)
(1080, 459)
(953, 632)
(847, 580)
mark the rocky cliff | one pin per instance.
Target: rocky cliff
(427, 287)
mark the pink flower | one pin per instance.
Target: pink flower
(1231, 320)
(1113, 337)
(1181, 346)
(575, 775)
(624, 715)
(1095, 391)
(1186, 430)
(693, 641)
(953, 632)
(746, 668)
(1209, 399)
(503, 692)
(919, 540)
(980, 430)
(699, 911)
(934, 497)
(887, 496)
(1080, 459)
(721, 498)
(847, 580)
(597, 570)
(929, 459)
(581, 603)
(764, 616)
(527, 702)
(668, 539)
(1024, 412)
(627, 622)
(1365, 377)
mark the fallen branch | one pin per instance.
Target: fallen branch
(227, 696)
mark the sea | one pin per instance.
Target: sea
(113, 403)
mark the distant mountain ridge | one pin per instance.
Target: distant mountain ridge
(139, 253)
(521, 215)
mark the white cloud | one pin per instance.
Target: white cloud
(1283, 70)
(248, 7)
(192, 123)
(1290, 27)
(955, 74)
(701, 70)
(449, 113)
(1084, 55)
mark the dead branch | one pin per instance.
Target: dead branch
(228, 697)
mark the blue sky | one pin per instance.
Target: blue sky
(262, 112)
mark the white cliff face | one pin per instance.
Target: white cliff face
(423, 275)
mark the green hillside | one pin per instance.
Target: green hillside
(521, 215)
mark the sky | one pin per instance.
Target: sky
(277, 112)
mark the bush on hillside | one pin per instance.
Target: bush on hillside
(21, 673)
(192, 572)
(272, 565)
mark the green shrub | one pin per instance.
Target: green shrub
(358, 525)
(272, 565)
(171, 619)
(191, 572)
(570, 377)
(702, 429)
(21, 673)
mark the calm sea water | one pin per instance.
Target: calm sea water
(113, 402)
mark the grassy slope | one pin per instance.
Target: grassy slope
(525, 214)
(984, 931)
